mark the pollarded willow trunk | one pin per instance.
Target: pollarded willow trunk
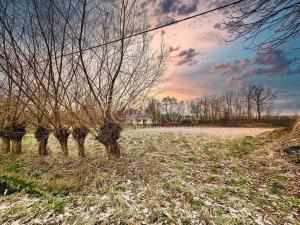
(17, 133)
(5, 144)
(79, 135)
(5, 141)
(42, 134)
(110, 132)
(62, 135)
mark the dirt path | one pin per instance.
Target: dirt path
(215, 131)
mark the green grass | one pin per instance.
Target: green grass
(16, 184)
(58, 207)
(243, 146)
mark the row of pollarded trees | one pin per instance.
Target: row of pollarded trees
(55, 80)
(241, 104)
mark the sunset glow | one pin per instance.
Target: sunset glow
(203, 62)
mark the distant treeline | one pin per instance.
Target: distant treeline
(251, 105)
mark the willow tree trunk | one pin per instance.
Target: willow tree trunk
(42, 134)
(109, 135)
(113, 149)
(62, 135)
(5, 144)
(79, 134)
(16, 146)
(17, 133)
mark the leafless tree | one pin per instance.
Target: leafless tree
(169, 105)
(228, 101)
(262, 97)
(247, 93)
(153, 109)
(196, 108)
(38, 35)
(238, 104)
(12, 120)
(119, 74)
(172, 109)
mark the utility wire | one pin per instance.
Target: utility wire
(156, 28)
(150, 30)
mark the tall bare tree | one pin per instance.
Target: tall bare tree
(153, 109)
(262, 97)
(247, 93)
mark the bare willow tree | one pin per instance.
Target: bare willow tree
(12, 122)
(118, 74)
(38, 37)
(255, 18)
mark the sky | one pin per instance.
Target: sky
(203, 61)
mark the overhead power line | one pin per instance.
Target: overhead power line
(158, 27)
(149, 30)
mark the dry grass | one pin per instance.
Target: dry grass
(162, 178)
(226, 132)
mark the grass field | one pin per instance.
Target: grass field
(164, 177)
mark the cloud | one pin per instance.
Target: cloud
(210, 37)
(218, 26)
(167, 6)
(186, 57)
(229, 68)
(147, 3)
(176, 7)
(166, 20)
(274, 63)
(187, 9)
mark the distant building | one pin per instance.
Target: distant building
(139, 119)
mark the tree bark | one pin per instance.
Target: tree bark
(113, 150)
(64, 147)
(80, 147)
(16, 146)
(43, 147)
(16, 135)
(42, 135)
(109, 135)
(5, 146)
(62, 135)
(79, 134)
